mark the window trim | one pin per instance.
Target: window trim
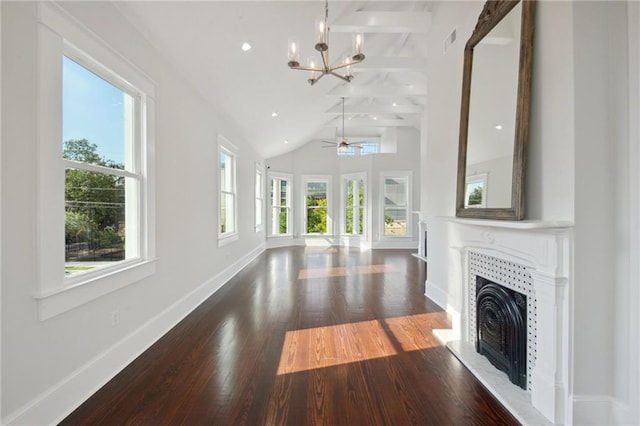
(343, 204)
(289, 178)
(227, 147)
(317, 178)
(409, 229)
(473, 179)
(60, 35)
(354, 151)
(259, 198)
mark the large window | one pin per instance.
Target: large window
(102, 176)
(227, 217)
(280, 205)
(353, 200)
(396, 195)
(316, 199)
(259, 201)
(96, 203)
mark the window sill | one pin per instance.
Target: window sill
(227, 239)
(67, 298)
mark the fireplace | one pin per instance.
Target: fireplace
(501, 327)
(529, 258)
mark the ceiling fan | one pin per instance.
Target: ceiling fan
(344, 144)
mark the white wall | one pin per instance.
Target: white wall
(582, 167)
(50, 366)
(313, 159)
(441, 144)
(633, 300)
(602, 345)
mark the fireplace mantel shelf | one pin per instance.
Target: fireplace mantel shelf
(521, 224)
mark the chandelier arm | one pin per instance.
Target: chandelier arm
(313, 81)
(342, 77)
(337, 67)
(301, 68)
(325, 60)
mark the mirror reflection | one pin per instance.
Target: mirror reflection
(492, 115)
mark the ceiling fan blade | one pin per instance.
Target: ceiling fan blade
(331, 142)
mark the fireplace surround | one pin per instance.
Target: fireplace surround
(528, 257)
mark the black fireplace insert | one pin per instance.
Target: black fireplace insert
(501, 325)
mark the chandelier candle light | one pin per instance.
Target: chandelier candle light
(318, 70)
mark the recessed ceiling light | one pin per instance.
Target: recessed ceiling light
(274, 114)
(246, 46)
(286, 141)
(394, 104)
(375, 118)
(498, 127)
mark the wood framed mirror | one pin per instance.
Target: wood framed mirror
(494, 114)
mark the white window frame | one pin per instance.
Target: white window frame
(59, 36)
(259, 198)
(289, 207)
(226, 147)
(409, 227)
(317, 178)
(343, 203)
(471, 180)
(355, 146)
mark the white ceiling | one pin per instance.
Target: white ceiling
(202, 39)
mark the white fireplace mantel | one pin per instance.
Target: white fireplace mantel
(543, 248)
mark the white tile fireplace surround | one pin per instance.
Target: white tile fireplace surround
(532, 258)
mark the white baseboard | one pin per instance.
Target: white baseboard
(60, 400)
(338, 241)
(276, 242)
(623, 414)
(592, 410)
(436, 293)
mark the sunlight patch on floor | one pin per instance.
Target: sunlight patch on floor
(328, 346)
(341, 271)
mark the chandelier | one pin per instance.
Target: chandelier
(318, 70)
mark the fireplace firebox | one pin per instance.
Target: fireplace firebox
(501, 324)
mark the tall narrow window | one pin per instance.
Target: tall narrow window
(96, 168)
(316, 196)
(228, 199)
(353, 190)
(280, 205)
(102, 177)
(259, 192)
(396, 201)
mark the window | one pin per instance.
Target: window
(316, 201)
(259, 193)
(280, 204)
(96, 186)
(475, 193)
(353, 200)
(364, 147)
(102, 176)
(227, 217)
(396, 195)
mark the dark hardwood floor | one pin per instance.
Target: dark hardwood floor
(303, 336)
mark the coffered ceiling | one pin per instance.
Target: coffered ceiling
(203, 40)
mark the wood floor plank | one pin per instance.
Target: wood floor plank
(303, 336)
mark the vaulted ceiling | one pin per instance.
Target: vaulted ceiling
(203, 39)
